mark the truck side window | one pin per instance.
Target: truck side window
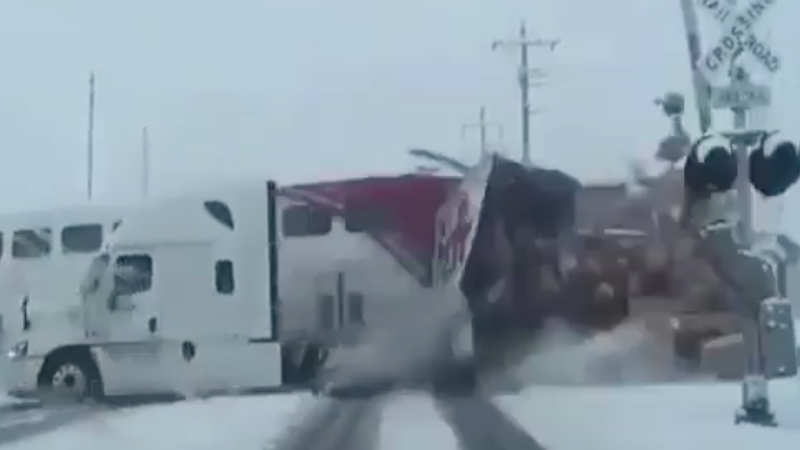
(86, 238)
(366, 218)
(355, 306)
(302, 220)
(35, 243)
(133, 274)
(223, 277)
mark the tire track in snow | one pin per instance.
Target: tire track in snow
(25, 422)
(335, 424)
(479, 424)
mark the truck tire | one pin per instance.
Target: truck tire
(72, 377)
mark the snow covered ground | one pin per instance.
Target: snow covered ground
(6, 400)
(563, 418)
(410, 421)
(228, 422)
(652, 417)
(625, 417)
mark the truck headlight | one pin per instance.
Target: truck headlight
(18, 350)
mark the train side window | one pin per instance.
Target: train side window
(326, 305)
(133, 274)
(366, 218)
(2, 246)
(34, 243)
(85, 238)
(302, 221)
(355, 306)
(223, 277)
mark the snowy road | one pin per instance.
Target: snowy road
(335, 425)
(27, 420)
(479, 424)
(662, 417)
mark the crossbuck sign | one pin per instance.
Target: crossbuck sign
(737, 36)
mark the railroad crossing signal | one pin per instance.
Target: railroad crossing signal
(737, 36)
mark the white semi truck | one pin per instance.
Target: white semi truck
(237, 287)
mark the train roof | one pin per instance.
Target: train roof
(412, 178)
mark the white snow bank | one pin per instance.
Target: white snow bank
(653, 417)
(213, 424)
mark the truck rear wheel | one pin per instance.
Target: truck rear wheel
(70, 376)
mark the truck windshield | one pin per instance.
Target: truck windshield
(94, 274)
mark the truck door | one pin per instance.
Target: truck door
(130, 302)
(202, 328)
(112, 298)
(116, 317)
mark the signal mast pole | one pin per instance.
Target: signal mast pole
(483, 127)
(524, 76)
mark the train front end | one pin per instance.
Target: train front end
(509, 245)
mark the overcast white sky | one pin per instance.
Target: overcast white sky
(308, 88)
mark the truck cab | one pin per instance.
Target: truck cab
(178, 299)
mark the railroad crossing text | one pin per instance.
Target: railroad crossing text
(737, 36)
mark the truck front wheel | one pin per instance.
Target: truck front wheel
(70, 376)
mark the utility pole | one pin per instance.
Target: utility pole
(523, 43)
(483, 127)
(90, 141)
(145, 163)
